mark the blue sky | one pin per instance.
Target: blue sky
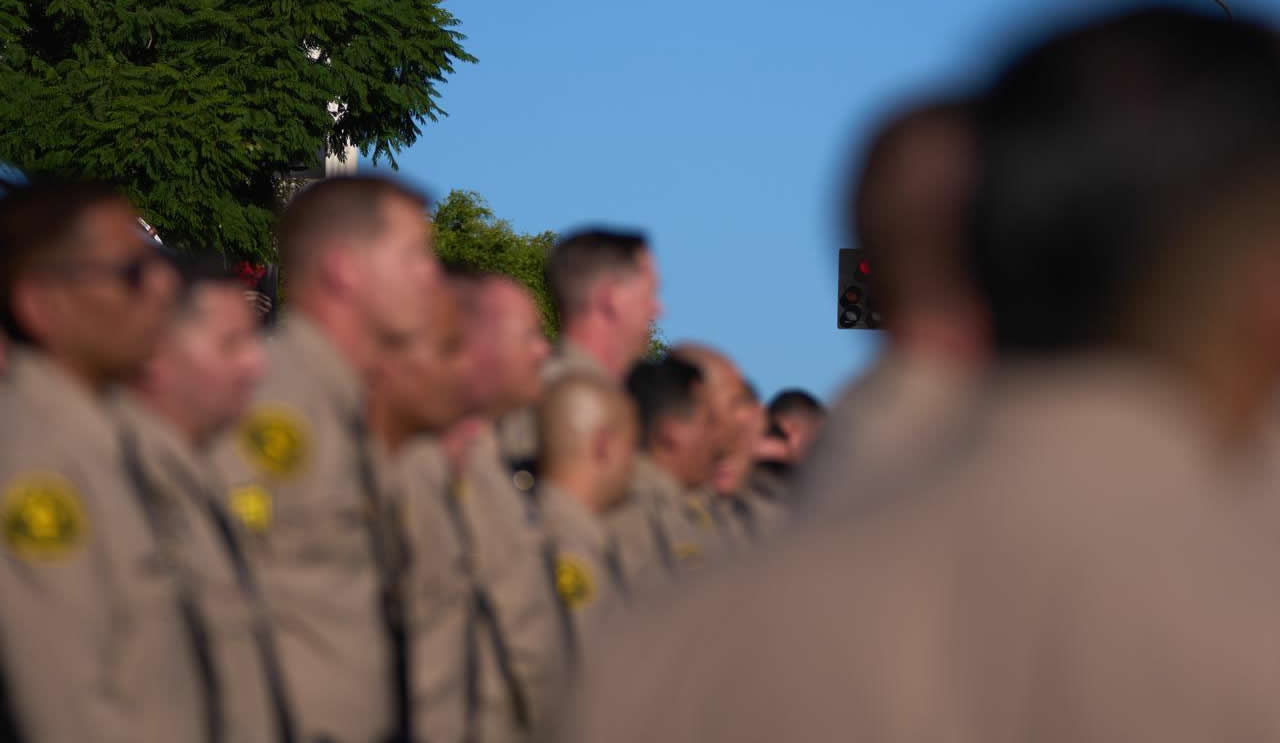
(720, 127)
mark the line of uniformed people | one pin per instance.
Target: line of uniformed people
(399, 518)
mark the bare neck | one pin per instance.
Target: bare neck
(953, 339)
(96, 381)
(592, 334)
(341, 324)
(170, 410)
(577, 483)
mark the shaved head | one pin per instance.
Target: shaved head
(587, 431)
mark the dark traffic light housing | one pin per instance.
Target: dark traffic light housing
(855, 307)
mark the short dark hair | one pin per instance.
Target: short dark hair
(199, 271)
(580, 258)
(1096, 145)
(39, 223)
(662, 390)
(344, 206)
(794, 401)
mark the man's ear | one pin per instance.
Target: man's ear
(33, 306)
(339, 269)
(604, 297)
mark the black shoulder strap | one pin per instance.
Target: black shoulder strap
(197, 630)
(613, 563)
(390, 557)
(568, 633)
(8, 716)
(263, 634)
(747, 513)
(663, 542)
(481, 614)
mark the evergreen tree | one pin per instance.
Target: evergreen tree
(197, 107)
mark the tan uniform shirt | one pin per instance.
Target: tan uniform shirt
(512, 562)
(95, 646)
(884, 424)
(199, 537)
(296, 469)
(438, 594)
(1086, 570)
(661, 532)
(589, 575)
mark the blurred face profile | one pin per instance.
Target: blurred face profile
(725, 396)
(424, 378)
(211, 358)
(508, 347)
(107, 303)
(689, 442)
(398, 270)
(636, 303)
(734, 466)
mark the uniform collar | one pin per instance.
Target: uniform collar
(56, 396)
(562, 506)
(657, 480)
(316, 355)
(573, 357)
(158, 439)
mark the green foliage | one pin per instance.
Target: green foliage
(197, 106)
(658, 346)
(470, 236)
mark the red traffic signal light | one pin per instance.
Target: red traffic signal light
(855, 307)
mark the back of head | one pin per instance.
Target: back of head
(795, 402)
(574, 410)
(908, 202)
(582, 258)
(1098, 147)
(40, 226)
(335, 211)
(662, 390)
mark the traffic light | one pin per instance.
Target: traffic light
(855, 308)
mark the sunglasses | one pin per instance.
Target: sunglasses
(132, 273)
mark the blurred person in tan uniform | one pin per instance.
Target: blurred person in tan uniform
(752, 496)
(418, 391)
(587, 427)
(196, 384)
(100, 637)
(526, 634)
(673, 530)
(1087, 562)
(738, 426)
(908, 205)
(302, 474)
(604, 284)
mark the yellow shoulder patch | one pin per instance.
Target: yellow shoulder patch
(275, 440)
(574, 582)
(685, 552)
(251, 504)
(43, 516)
